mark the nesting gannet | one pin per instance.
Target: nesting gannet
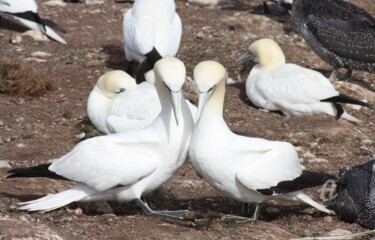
(338, 31)
(26, 11)
(246, 169)
(123, 166)
(355, 194)
(118, 104)
(276, 86)
(152, 29)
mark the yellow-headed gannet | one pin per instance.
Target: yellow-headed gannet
(243, 168)
(276, 86)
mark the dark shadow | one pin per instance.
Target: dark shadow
(10, 24)
(116, 58)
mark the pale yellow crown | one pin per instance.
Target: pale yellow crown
(111, 83)
(171, 71)
(268, 52)
(208, 74)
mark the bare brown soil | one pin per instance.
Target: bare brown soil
(36, 128)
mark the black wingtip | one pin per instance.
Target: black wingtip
(36, 171)
(341, 98)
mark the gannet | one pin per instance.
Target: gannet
(26, 11)
(243, 168)
(276, 86)
(354, 200)
(338, 31)
(152, 29)
(118, 104)
(123, 166)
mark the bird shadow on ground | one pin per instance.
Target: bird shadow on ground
(116, 58)
(11, 25)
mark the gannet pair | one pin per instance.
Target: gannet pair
(124, 166)
(243, 168)
(338, 31)
(118, 104)
(354, 200)
(276, 86)
(152, 29)
(26, 11)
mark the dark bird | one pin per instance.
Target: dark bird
(339, 32)
(355, 200)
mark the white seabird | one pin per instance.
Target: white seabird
(26, 11)
(123, 166)
(152, 29)
(118, 104)
(276, 86)
(243, 168)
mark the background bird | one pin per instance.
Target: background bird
(355, 200)
(152, 29)
(26, 11)
(243, 168)
(276, 86)
(338, 31)
(124, 166)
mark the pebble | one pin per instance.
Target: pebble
(318, 160)
(5, 164)
(211, 3)
(55, 3)
(328, 219)
(78, 211)
(339, 232)
(40, 54)
(15, 39)
(109, 215)
(20, 145)
(36, 35)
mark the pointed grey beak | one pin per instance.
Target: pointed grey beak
(245, 58)
(3, 2)
(203, 98)
(176, 104)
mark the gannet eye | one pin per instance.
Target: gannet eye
(209, 90)
(167, 87)
(121, 90)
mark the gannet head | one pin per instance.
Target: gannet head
(171, 71)
(266, 52)
(208, 75)
(114, 82)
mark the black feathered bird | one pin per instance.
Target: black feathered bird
(355, 201)
(339, 32)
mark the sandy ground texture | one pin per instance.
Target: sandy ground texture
(44, 87)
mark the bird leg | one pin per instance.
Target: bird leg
(240, 219)
(179, 214)
(245, 209)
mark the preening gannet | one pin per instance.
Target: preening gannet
(276, 86)
(123, 166)
(26, 11)
(243, 168)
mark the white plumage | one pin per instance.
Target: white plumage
(151, 24)
(237, 166)
(123, 166)
(289, 88)
(26, 11)
(118, 104)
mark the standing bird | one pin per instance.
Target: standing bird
(26, 11)
(124, 166)
(152, 29)
(276, 86)
(355, 200)
(243, 168)
(338, 31)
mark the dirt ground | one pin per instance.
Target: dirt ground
(38, 129)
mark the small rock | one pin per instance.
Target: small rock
(78, 211)
(81, 135)
(109, 215)
(24, 218)
(308, 154)
(272, 210)
(15, 39)
(318, 160)
(328, 219)
(55, 3)
(40, 54)
(20, 145)
(36, 35)
(211, 3)
(230, 81)
(339, 232)
(201, 35)
(32, 59)
(5, 164)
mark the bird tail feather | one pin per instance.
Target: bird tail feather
(54, 201)
(301, 196)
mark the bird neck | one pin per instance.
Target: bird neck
(214, 106)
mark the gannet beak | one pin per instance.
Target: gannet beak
(245, 58)
(203, 98)
(176, 104)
